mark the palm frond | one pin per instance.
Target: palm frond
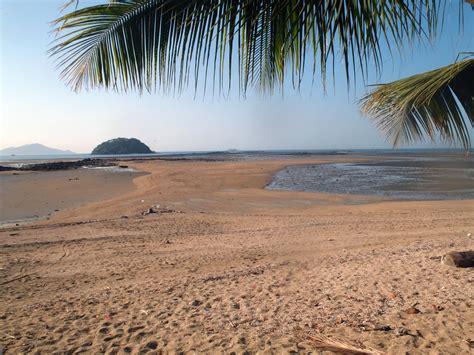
(145, 44)
(438, 104)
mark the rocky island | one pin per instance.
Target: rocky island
(122, 146)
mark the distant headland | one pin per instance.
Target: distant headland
(122, 146)
(33, 149)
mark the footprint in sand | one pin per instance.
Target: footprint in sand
(152, 345)
(134, 329)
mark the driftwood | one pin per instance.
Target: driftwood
(459, 258)
(323, 343)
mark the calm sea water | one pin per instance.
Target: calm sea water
(231, 154)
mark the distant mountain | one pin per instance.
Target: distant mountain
(122, 146)
(33, 149)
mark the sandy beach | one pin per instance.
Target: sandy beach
(33, 195)
(225, 266)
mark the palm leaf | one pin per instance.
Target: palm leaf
(438, 103)
(166, 44)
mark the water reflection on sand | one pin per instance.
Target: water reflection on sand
(401, 178)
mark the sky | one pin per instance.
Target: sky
(37, 107)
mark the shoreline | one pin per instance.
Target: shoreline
(404, 179)
(148, 166)
(225, 265)
(35, 196)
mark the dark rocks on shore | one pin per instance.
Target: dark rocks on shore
(59, 165)
(459, 259)
(7, 168)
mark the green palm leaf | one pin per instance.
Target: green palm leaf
(165, 44)
(438, 103)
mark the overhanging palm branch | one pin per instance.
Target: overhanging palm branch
(145, 44)
(438, 103)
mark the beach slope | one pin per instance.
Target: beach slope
(224, 265)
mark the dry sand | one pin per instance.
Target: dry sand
(231, 267)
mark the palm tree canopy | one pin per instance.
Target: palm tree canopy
(436, 103)
(150, 44)
(147, 45)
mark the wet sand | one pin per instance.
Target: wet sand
(403, 178)
(35, 195)
(229, 266)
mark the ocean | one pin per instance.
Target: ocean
(229, 154)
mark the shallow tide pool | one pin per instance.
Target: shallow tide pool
(412, 179)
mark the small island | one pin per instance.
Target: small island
(122, 146)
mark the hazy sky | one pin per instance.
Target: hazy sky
(36, 107)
